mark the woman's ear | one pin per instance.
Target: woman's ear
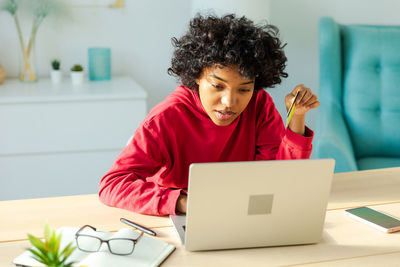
(202, 74)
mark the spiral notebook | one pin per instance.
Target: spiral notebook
(148, 251)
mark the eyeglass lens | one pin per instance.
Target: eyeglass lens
(116, 246)
(121, 246)
(88, 243)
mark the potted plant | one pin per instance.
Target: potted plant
(49, 251)
(56, 74)
(77, 74)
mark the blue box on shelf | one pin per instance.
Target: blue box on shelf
(99, 64)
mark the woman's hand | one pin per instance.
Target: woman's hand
(181, 204)
(305, 101)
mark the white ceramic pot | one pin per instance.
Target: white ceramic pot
(77, 77)
(56, 76)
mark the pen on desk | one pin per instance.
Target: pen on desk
(138, 226)
(291, 109)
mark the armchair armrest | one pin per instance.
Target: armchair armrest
(333, 140)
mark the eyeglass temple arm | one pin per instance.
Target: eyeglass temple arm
(83, 227)
(139, 237)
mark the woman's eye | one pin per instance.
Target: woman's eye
(217, 86)
(244, 90)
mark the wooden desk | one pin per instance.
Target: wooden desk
(345, 241)
(371, 187)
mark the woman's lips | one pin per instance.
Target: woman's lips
(224, 115)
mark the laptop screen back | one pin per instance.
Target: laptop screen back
(260, 203)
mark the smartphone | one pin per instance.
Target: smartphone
(375, 219)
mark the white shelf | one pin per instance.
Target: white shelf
(57, 138)
(15, 91)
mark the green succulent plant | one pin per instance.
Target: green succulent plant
(77, 67)
(48, 251)
(55, 64)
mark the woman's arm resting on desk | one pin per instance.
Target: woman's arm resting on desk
(125, 185)
(128, 192)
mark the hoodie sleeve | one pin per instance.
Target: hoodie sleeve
(126, 185)
(273, 141)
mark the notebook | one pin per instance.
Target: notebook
(255, 204)
(149, 251)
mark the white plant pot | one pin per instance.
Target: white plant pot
(77, 77)
(56, 76)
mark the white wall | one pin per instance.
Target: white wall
(257, 10)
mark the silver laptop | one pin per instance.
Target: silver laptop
(255, 204)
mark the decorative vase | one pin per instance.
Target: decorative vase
(56, 76)
(77, 77)
(27, 60)
(2, 74)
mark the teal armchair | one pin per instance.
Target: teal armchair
(359, 116)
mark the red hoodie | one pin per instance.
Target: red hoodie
(152, 170)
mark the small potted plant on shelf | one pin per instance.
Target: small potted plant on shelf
(77, 74)
(56, 74)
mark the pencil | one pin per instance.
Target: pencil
(291, 109)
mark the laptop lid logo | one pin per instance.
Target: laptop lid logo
(260, 204)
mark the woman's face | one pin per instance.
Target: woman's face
(224, 93)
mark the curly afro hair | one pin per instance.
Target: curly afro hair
(229, 40)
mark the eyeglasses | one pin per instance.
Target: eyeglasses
(91, 243)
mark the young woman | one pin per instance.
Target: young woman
(219, 113)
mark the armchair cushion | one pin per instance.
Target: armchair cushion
(371, 89)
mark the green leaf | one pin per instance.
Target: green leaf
(52, 257)
(68, 264)
(37, 243)
(67, 249)
(10, 6)
(40, 260)
(47, 231)
(37, 256)
(69, 252)
(52, 241)
(58, 242)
